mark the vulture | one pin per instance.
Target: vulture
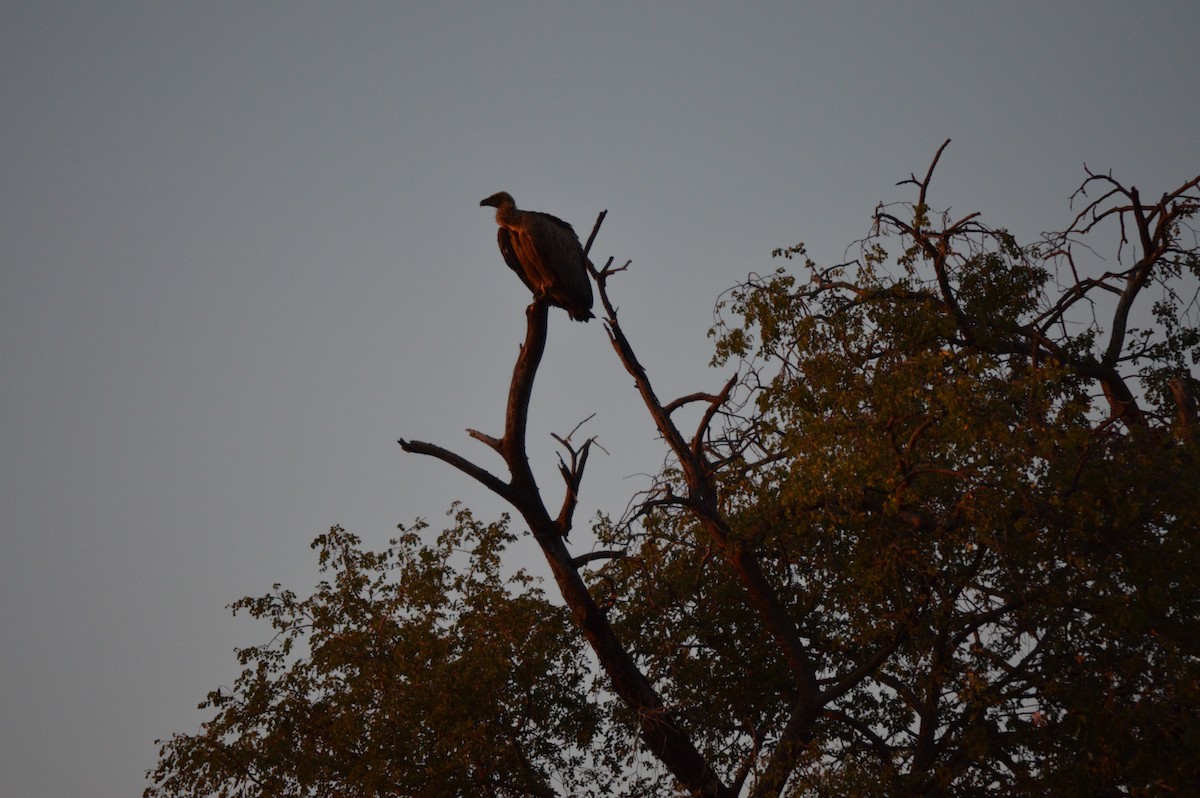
(546, 254)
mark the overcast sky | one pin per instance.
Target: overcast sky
(242, 253)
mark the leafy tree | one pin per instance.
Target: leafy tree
(937, 535)
(414, 674)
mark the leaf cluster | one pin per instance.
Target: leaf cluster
(417, 670)
(941, 462)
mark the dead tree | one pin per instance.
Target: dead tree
(658, 729)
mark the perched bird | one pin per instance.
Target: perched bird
(546, 254)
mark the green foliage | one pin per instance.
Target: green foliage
(417, 670)
(920, 477)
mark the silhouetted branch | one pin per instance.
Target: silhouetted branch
(658, 728)
(671, 407)
(762, 597)
(714, 405)
(595, 229)
(1155, 228)
(485, 478)
(592, 556)
(572, 475)
(923, 185)
(495, 443)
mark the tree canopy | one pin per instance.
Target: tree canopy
(937, 534)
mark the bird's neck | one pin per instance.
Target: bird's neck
(507, 216)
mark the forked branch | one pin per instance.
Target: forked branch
(702, 500)
(659, 729)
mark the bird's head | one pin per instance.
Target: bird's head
(499, 200)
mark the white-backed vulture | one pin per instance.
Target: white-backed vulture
(546, 254)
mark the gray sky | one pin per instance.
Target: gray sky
(242, 253)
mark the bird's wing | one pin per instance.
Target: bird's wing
(559, 246)
(554, 220)
(504, 239)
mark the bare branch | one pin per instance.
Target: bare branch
(495, 443)
(564, 441)
(572, 475)
(595, 229)
(485, 478)
(604, 554)
(924, 184)
(671, 407)
(659, 730)
(714, 405)
(609, 269)
(702, 501)
(961, 225)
